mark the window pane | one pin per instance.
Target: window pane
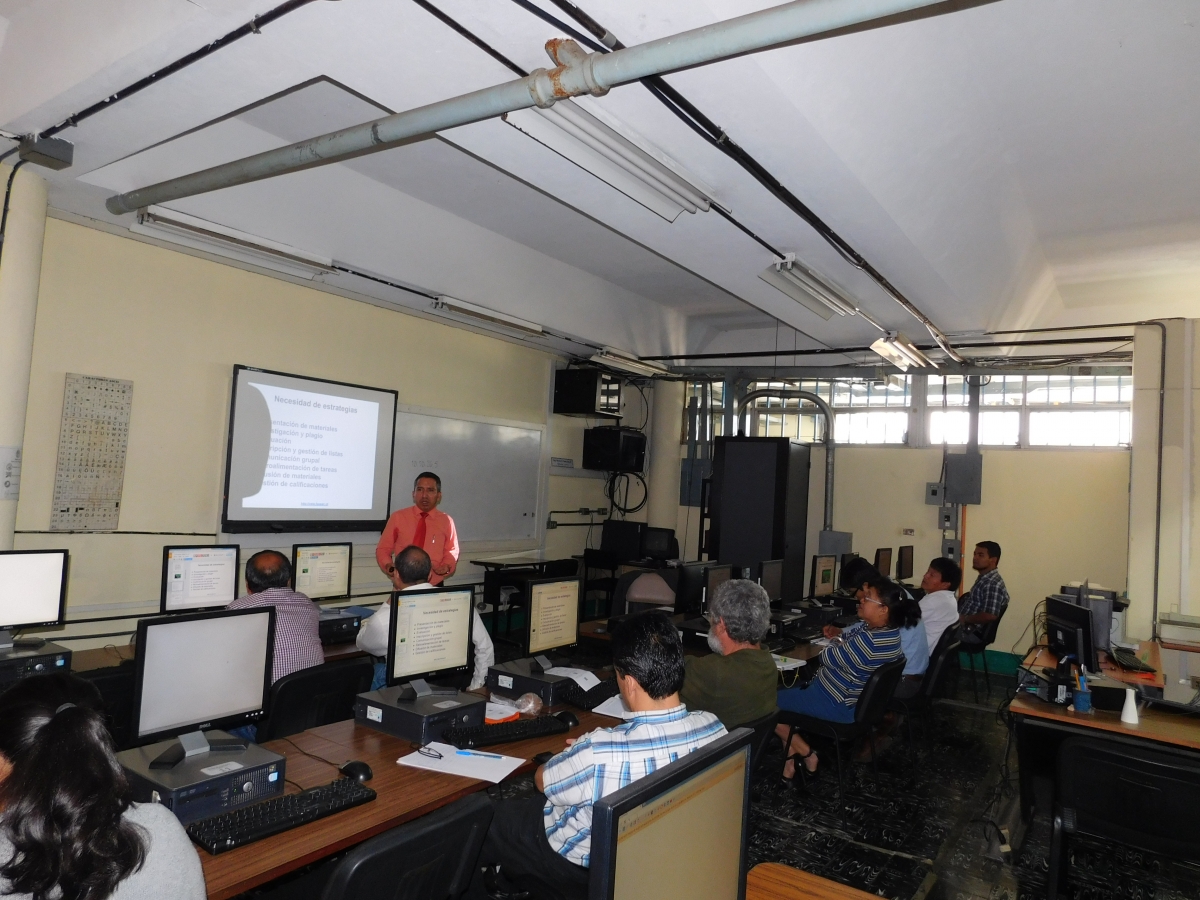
(1108, 388)
(1000, 429)
(1003, 390)
(1082, 428)
(1083, 389)
(955, 390)
(870, 428)
(948, 427)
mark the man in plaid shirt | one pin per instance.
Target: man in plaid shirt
(989, 597)
(548, 839)
(297, 643)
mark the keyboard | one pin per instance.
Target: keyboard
(593, 697)
(1128, 660)
(779, 645)
(505, 732)
(239, 827)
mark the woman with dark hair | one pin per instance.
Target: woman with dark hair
(846, 664)
(68, 830)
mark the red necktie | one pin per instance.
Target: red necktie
(419, 535)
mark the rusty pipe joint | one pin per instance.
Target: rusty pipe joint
(574, 74)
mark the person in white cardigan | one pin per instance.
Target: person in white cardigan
(410, 572)
(939, 606)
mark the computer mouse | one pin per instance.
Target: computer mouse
(568, 717)
(544, 757)
(359, 771)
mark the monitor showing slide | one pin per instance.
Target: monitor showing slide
(307, 454)
(199, 577)
(431, 634)
(553, 615)
(322, 570)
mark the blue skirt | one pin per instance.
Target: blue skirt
(814, 700)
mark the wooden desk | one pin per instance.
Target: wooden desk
(405, 794)
(1147, 651)
(775, 881)
(114, 655)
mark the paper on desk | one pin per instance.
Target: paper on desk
(582, 677)
(614, 706)
(822, 642)
(499, 712)
(784, 663)
(482, 765)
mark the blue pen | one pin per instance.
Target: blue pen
(477, 753)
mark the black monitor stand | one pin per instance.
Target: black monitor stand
(194, 743)
(419, 687)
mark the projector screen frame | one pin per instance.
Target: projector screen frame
(281, 525)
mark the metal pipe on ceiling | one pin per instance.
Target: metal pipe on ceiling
(577, 73)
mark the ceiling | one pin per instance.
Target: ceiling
(1020, 164)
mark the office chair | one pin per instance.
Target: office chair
(931, 685)
(646, 589)
(976, 645)
(763, 728)
(315, 696)
(869, 711)
(430, 858)
(1126, 791)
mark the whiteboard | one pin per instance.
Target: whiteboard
(491, 472)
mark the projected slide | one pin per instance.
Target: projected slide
(307, 454)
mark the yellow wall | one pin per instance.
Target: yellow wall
(175, 325)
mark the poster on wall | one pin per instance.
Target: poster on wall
(92, 441)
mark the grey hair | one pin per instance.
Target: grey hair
(745, 609)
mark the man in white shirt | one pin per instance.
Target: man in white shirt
(939, 606)
(410, 572)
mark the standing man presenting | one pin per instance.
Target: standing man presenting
(422, 525)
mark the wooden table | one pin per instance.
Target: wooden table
(115, 654)
(775, 881)
(405, 794)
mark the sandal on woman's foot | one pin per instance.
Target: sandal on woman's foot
(811, 753)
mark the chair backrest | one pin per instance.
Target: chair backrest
(987, 634)
(430, 858)
(315, 696)
(649, 587)
(877, 693)
(1130, 792)
(947, 646)
(763, 729)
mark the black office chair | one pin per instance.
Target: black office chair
(430, 858)
(763, 729)
(975, 643)
(315, 696)
(1125, 791)
(931, 684)
(869, 711)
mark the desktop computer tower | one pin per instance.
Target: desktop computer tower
(759, 505)
(19, 662)
(420, 720)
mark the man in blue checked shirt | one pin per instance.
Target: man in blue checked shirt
(545, 842)
(988, 598)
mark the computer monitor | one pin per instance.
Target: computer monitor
(656, 543)
(689, 588)
(679, 832)
(430, 636)
(904, 562)
(198, 578)
(197, 671)
(33, 590)
(714, 577)
(322, 570)
(553, 615)
(883, 561)
(822, 581)
(1069, 632)
(622, 538)
(770, 576)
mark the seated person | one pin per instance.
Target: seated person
(548, 839)
(939, 606)
(297, 640)
(410, 572)
(988, 598)
(855, 574)
(913, 640)
(846, 664)
(737, 682)
(69, 828)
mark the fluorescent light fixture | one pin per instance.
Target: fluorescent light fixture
(615, 359)
(200, 234)
(626, 161)
(806, 288)
(901, 352)
(470, 310)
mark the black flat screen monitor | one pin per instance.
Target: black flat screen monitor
(823, 583)
(904, 562)
(320, 571)
(622, 538)
(714, 577)
(198, 671)
(553, 614)
(883, 561)
(770, 576)
(33, 589)
(430, 634)
(656, 543)
(679, 832)
(689, 588)
(195, 578)
(1069, 632)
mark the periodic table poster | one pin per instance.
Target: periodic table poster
(92, 441)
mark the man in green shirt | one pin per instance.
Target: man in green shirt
(737, 682)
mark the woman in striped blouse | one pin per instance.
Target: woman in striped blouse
(845, 667)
